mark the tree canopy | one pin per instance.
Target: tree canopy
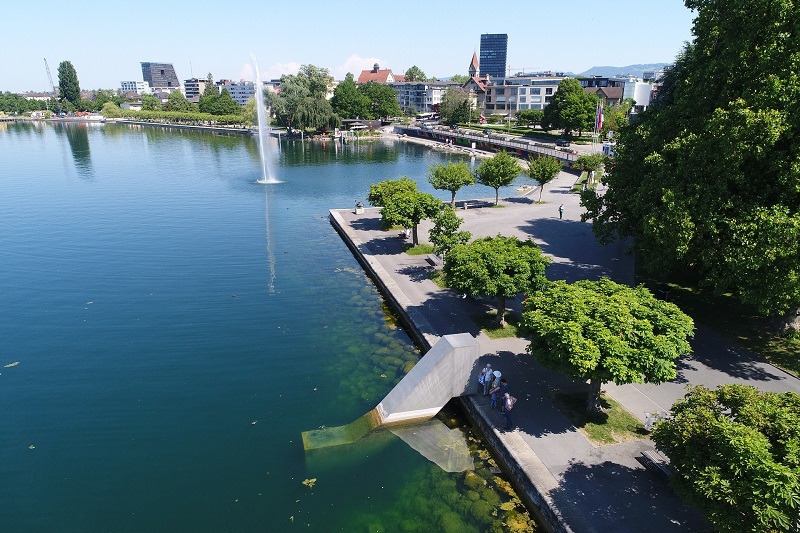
(302, 101)
(571, 109)
(348, 101)
(381, 193)
(177, 102)
(150, 103)
(499, 171)
(736, 451)
(408, 209)
(450, 177)
(603, 331)
(499, 267)
(708, 178)
(68, 86)
(415, 74)
(529, 117)
(381, 100)
(456, 106)
(543, 170)
(444, 234)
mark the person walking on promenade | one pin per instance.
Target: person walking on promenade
(495, 389)
(483, 377)
(487, 379)
(508, 404)
(503, 389)
(561, 211)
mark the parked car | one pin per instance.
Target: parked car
(562, 142)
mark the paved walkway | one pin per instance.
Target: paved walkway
(588, 487)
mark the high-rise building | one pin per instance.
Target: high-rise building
(160, 76)
(494, 47)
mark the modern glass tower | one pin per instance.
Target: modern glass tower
(161, 75)
(494, 47)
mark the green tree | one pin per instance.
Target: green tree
(302, 100)
(348, 101)
(68, 86)
(571, 109)
(499, 171)
(450, 177)
(415, 74)
(460, 78)
(735, 451)
(602, 331)
(111, 110)
(529, 117)
(543, 170)
(456, 106)
(224, 104)
(500, 267)
(590, 163)
(150, 103)
(381, 100)
(408, 209)
(445, 235)
(381, 193)
(682, 184)
(177, 102)
(616, 116)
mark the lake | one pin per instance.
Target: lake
(170, 328)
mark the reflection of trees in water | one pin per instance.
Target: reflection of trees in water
(315, 152)
(78, 137)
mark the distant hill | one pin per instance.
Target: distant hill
(633, 70)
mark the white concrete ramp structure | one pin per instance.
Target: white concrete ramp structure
(443, 373)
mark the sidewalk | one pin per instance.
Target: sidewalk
(575, 484)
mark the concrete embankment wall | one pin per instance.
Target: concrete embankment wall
(522, 468)
(218, 129)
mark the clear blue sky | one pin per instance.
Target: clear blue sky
(106, 41)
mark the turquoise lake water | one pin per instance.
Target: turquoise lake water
(177, 326)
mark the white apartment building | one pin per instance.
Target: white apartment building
(421, 95)
(513, 94)
(138, 87)
(193, 88)
(242, 91)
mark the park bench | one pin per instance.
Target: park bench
(657, 463)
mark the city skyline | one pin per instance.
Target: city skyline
(107, 46)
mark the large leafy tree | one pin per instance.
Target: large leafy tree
(302, 101)
(415, 74)
(150, 103)
(709, 177)
(499, 171)
(571, 109)
(456, 106)
(347, 101)
(736, 451)
(450, 177)
(177, 102)
(603, 331)
(616, 116)
(529, 117)
(543, 170)
(500, 267)
(68, 86)
(381, 100)
(408, 209)
(445, 234)
(381, 193)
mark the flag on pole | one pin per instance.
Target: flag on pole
(483, 119)
(598, 119)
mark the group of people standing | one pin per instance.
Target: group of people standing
(491, 382)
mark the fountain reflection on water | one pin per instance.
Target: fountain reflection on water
(266, 170)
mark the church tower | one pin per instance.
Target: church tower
(473, 66)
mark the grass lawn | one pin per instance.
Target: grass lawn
(486, 323)
(613, 425)
(420, 249)
(728, 317)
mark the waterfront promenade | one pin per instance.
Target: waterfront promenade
(575, 485)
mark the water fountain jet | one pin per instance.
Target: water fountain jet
(266, 171)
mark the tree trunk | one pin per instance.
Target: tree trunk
(593, 396)
(789, 323)
(501, 311)
(496, 196)
(453, 199)
(414, 238)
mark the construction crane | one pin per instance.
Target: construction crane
(49, 77)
